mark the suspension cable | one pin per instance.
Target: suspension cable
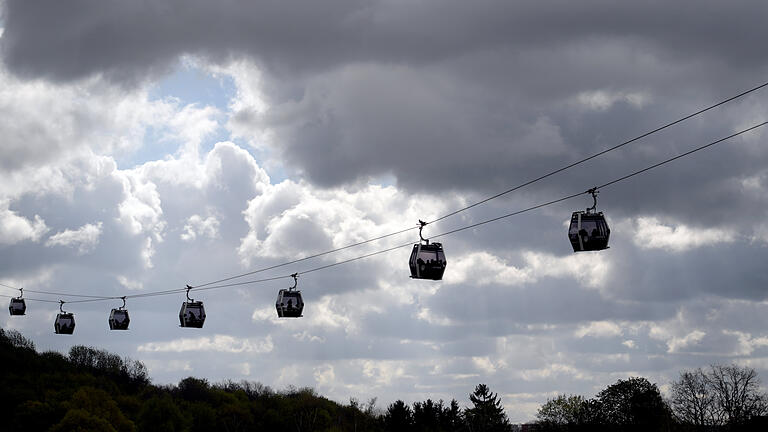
(446, 233)
(510, 190)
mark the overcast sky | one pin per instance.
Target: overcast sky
(149, 145)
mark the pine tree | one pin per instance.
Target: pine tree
(399, 417)
(487, 413)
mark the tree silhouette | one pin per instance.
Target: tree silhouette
(562, 410)
(693, 400)
(487, 414)
(737, 394)
(399, 417)
(634, 401)
(451, 418)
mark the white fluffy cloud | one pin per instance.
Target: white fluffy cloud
(651, 233)
(106, 169)
(599, 329)
(217, 343)
(14, 228)
(85, 238)
(484, 268)
(196, 226)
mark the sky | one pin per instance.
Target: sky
(150, 145)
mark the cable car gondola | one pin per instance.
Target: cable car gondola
(118, 318)
(427, 260)
(192, 313)
(588, 230)
(65, 321)
(289, 303)
(17, 305)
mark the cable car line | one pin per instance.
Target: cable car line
(71, 295)
(31, 299)
(682, 155)
(600, 153)
(520, 186)
(305, 258)
(240, 283)
(515, 213)
(65, 319)
(354, 259)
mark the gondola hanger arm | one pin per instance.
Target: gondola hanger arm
(421, 226)
(594, 193)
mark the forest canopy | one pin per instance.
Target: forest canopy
(94, 390)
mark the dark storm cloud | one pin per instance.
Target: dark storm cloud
(66, 40)
(468, 96)
(361, 89)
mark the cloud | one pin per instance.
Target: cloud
(244, 369)
(650, 233)
(484, 268)
(687, 341)
(349, 120)
(217, 343)
(197, 226)
(130, 284)
(14, 228)
(600, 329)
(85, 238)
(325, 376)
(604, 99)
(382, 372)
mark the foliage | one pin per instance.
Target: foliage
(99, 404)
(634, 401)
(399, 417)
(160, 413)
(91, 389)
(16, 339)
(125, 371)
(562, 410)
(487, 414)
(631, 404)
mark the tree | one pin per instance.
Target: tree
(693, 400)
(194, 389)
(736, 391)
(487, 414)
(100, 404)
(591, 413)
(450, 418)
(399, 417)
(561, 410)
(78, 420)
(426, 415)
(16, 339)
(723, 395)
(634, 401)
(160, 413)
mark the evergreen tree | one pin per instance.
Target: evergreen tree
(426, 416)
(487, 414)
(399, 417)
(450, 418)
